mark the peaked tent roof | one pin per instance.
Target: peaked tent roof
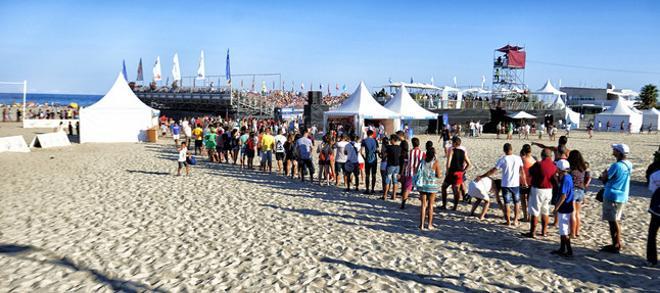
(549, 89)
(362, 103)
(521, 115)
(407, 108)
(652, 111)
(120, 96)
(620, 108)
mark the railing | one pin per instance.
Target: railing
(482, 105)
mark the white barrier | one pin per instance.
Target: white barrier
(13, 144)
(49, 140)
(48, 123)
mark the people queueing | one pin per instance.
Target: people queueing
(615, 194)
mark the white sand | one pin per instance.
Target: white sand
(112, 217)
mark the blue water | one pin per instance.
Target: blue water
(57, 99)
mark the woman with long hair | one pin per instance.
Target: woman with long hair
(427, 185)
(581, 179)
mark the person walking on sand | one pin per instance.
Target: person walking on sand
(654, 209)
(615, 194)
(352, 164)
(427, 184)
(182, 160)
(393, 155)
(564, 208)
(528, 162)
(415, 157)
(457, 163)
(340, 158)
(558, 150)
(542, 173)
(369, 152)
(512, 173)
(280, 139)
(267, 146)
(199, 141)
(176, 133)
(304, 149)
(581, 180)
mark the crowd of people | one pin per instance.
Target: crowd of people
(15, 114)
(553, 186)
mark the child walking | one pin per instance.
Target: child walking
(564, 208)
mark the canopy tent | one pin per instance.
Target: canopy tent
(403, 104)
(521, 115)
(551, 96)
(572, 117)
(360, 106)
(621, 112)
(651, 117)
(119, 116)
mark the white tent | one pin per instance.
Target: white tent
(573, 117)
(652, 117)
(119, 116)
(360, 106)
(403, 104)
(620, 112)
(551, 96)
(521, 115)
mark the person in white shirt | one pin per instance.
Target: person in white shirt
(512, 171)
(182, 159)
(340, 158)
(279, 149)
(351, 167)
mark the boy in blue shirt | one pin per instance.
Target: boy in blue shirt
(564, 207)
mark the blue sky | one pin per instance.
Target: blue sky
(78, 46)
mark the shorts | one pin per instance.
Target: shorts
(612, 211)
(339, 167)
(198, 144)
(324, 162)
(511, 194)
(267, 157)
(279, 156)
(361, 166)
(250, 153)
(383, 166)
(175, 136)
(564, 224)
(524, 192)
(391, 177)
(406, 183)
(539, 201)
(578, 195)
(454, 178)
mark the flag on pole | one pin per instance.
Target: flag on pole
(337, 86)
(263, 87)
(432, 80)
(412, 80)
(321, 86)
(176, 70)
(201, 68)
(328, 89)
(123, 70)
(344, 88)
(302, 86)
(241, 84)
(167, 80)
(483, 81)
(140, 75)
(227, 69)
(389, 79)
(252, 88)
(273, 88)
(455, 83)
(158, 76)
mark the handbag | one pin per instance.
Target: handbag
(599, 195)
(349, 167)
(191, 160)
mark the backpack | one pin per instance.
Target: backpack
(250, 143)
(426, 176)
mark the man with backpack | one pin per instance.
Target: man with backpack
(368, 151)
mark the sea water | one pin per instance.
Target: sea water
(51, 99)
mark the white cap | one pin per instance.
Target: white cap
(621, 147)
(563, 165)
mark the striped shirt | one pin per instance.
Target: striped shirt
(415, 156)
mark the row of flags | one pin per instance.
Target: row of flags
(176, 69)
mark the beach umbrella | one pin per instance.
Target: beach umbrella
(74, 105)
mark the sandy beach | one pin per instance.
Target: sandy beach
(109, 217)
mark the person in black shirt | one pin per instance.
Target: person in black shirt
(457, 163)
(393, 155)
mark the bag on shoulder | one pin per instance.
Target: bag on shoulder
(599, 195)
(191, 160)
(349, 167)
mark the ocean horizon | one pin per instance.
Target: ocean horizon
(51, 99)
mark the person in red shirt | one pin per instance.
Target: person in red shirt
(542, 174)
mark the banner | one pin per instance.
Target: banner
(176, 71)
(201, 69)
(158, 75)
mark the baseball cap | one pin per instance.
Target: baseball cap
(563, 165)
(621, 147)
